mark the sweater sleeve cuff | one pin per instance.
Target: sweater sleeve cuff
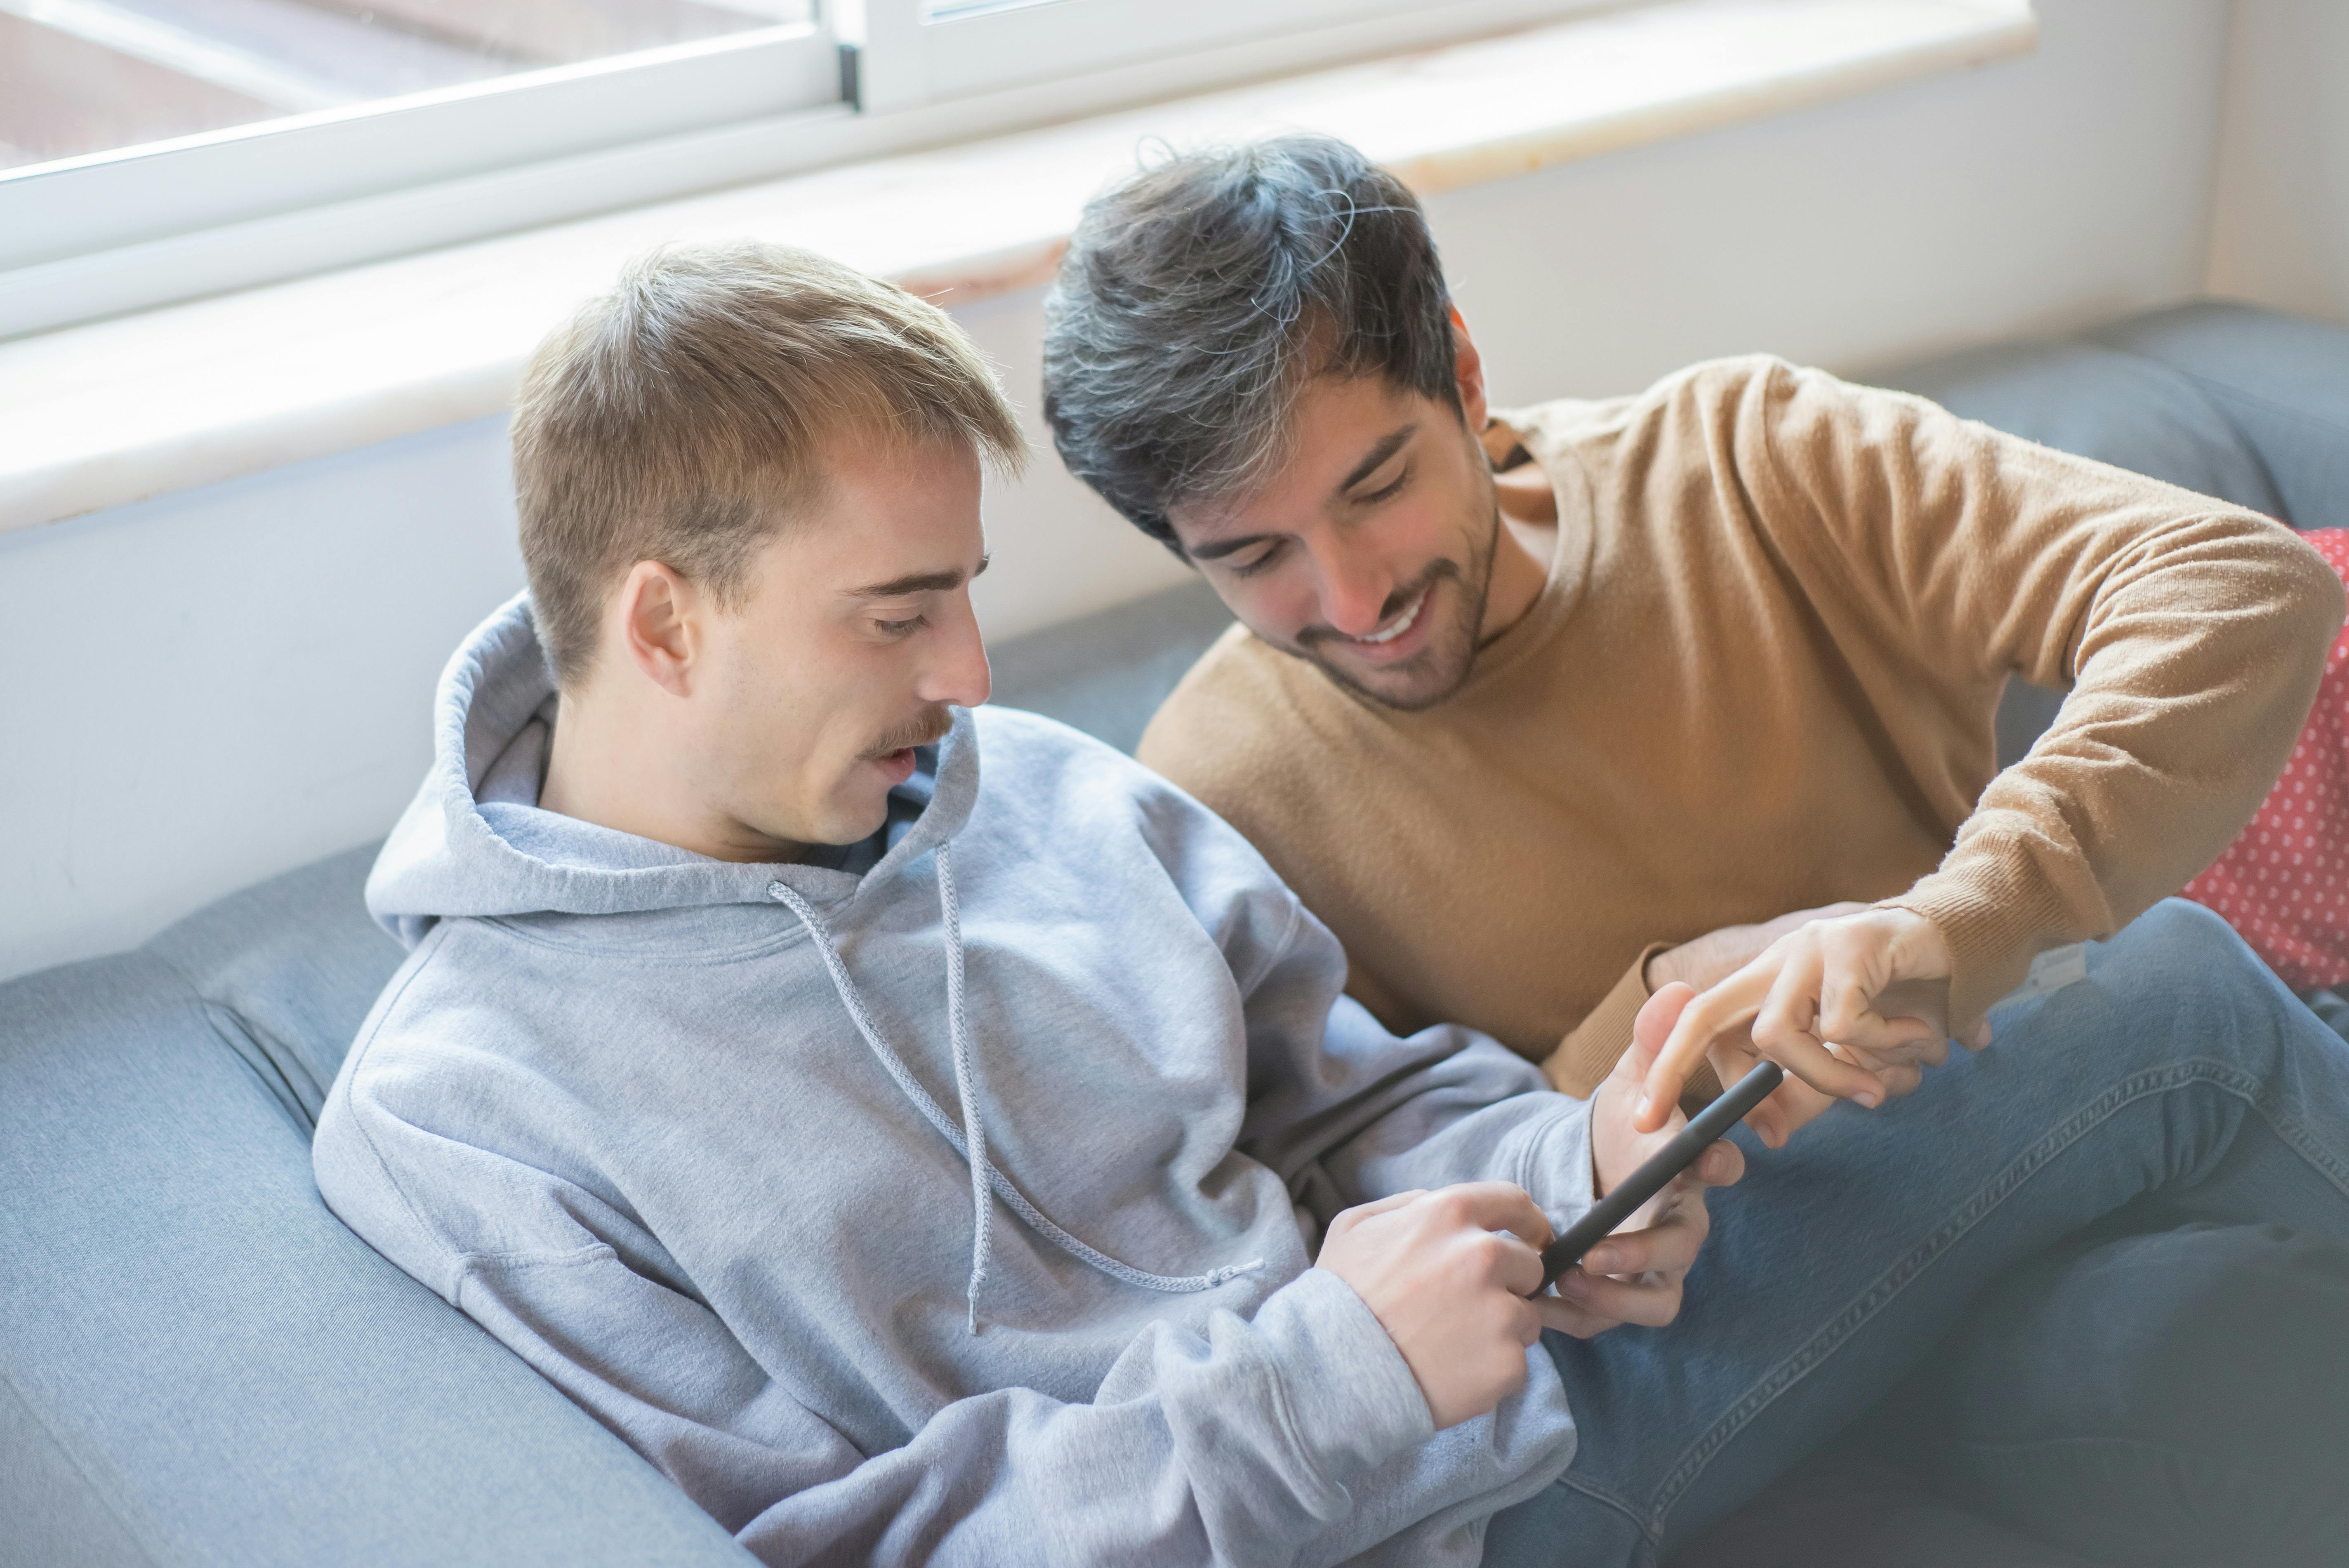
(1592, 1047)
(1992, 940)
(1350, 1401)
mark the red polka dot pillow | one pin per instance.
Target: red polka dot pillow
(2285, 883)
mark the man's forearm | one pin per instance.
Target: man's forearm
(2195, 679)
(2190, 632)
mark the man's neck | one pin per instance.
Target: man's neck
(618, 770)
(1525, 542)
(1521, 559)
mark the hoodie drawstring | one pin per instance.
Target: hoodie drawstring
(970, 1140)
(973, 1130)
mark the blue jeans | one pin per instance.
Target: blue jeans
(2180, 1081)
(2176, 1397)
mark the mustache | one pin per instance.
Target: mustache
(926, 729)
(1437, 571)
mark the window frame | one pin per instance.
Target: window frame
(149, 226)
(920, 51)
(99, 201)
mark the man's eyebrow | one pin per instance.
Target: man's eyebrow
(1387, 446)
(918, 583)
(1223, 547)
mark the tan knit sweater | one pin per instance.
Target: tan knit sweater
(1761, 677)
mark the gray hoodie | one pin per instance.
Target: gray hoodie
(953, 1199)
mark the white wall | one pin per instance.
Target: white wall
(207, 688)
(2280, 233)
(2040, 196)
(211, 687)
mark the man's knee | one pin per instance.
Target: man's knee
(2178, 964)
(2175, 983)
(2179, 942)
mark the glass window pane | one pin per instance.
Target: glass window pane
(82, 77)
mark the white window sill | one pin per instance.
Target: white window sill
(100, 415)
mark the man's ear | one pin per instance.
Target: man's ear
(658, 617)
(1468, 372)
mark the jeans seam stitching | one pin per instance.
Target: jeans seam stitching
(1607, 1499)
(2293, 1133)
(1903, 1272)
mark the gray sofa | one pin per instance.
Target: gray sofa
(199, 1364)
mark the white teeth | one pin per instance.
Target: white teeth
(1403, 624)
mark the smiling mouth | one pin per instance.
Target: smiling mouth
(1403, 623)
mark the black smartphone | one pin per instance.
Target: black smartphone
(1704, 1130)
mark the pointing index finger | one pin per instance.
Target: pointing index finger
(1708, 1015)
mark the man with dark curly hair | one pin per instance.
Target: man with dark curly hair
(1669, 714)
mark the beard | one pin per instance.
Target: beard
(1444, 665)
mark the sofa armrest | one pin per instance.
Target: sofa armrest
(2283, 382)
(198, 1363)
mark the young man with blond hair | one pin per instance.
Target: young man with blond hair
(921, 1158)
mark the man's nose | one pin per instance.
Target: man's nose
(1354, 592)
(956, 671)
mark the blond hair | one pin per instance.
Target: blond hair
(679, 419)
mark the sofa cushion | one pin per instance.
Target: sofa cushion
(2283, 381)
(200, 1364)
(289, 968)
(1107, 673)
(2096, 402)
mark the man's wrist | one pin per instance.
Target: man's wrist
(1365, 1404)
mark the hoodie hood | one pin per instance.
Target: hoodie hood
(474, 842)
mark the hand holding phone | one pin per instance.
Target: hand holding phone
(1653, 1176)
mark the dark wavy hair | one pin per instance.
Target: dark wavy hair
(1199, 296)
